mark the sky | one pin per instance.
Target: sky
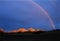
(38, 14)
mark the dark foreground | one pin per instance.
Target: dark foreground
(29, 36)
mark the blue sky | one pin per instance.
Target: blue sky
(17, 14)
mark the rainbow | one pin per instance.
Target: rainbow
(44, 12)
